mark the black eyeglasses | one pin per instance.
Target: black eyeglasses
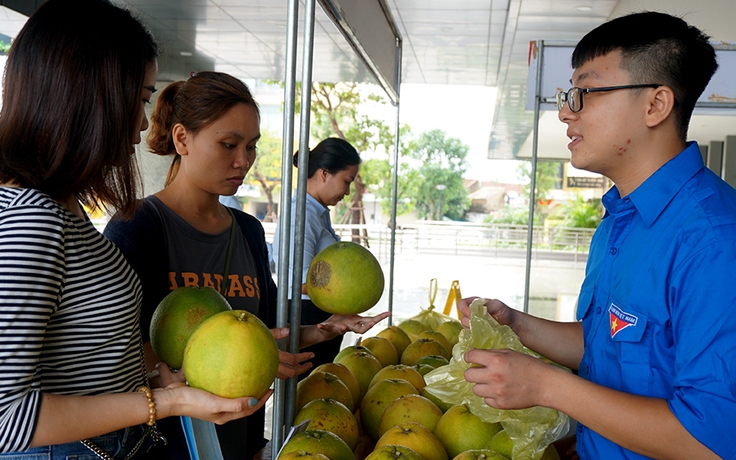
(574, 96)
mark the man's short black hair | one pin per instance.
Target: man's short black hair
(656, 48)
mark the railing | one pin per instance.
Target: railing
(470, 239)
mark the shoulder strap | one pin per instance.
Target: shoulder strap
(229, 256)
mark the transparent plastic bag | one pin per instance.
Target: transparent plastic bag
(531, 430)
(428, 318)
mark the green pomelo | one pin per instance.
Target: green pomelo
(412, 327)
(345, 278)
(480, 454)
(393, 452)
(232, 354)
(501, 443)
(460, 430)
(433, 360)
(178, 315)
(451, 330)
(319, 442)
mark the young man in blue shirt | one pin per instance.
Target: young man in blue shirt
(655, 345)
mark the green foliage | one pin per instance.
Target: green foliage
(512, 216)
(580, 213)
(441, 161)
(266, 170)
(338, 110)
(548, 175)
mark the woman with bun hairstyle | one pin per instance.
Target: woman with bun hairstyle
(72, 379)
(333, 166)
(183, 236)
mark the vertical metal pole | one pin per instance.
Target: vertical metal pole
(533, 185)
(282, 312)
(295, 306)
(394, 192)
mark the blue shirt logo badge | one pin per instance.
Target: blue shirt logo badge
(620, 320)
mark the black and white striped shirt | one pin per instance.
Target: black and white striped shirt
(69, 312)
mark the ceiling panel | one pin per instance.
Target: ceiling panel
(458, 42)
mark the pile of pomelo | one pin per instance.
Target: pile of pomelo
(230, 353)
(370, 404)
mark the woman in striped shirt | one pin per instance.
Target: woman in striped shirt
(70, 343)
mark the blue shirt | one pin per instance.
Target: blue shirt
(657, 300)
(318, 234)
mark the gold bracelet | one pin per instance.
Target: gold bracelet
(151, 405)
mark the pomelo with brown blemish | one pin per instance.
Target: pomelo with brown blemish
(345, 279)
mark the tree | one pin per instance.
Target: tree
(581, 213)
(378, 173)
(441, 161)
(335, 111)
(548, 176)
(266, 170)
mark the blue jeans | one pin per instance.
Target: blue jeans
(118, 444)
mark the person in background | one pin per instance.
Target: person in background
(72, 380)
(183, 236)
(333, 166)
(655, 345)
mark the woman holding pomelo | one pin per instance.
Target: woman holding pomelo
(332, 167)
(71, 367)
(182, 235)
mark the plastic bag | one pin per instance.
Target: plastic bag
(428, 319)
(531, 430)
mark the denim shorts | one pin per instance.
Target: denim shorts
(118, 444)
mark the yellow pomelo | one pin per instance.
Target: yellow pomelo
(365, 443)
(438, 336)
(397, 336)
(364, 367)
(415, 437)
(231, 354)
(349, 349)
(329, 415)
(400, 371)
(318, 385)
(410, 408)
(345, 375)
(423, 347)
(377, 398)
(177, 316)
(345, 278)
(303, 455)
(320, 442)
(383, 349)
